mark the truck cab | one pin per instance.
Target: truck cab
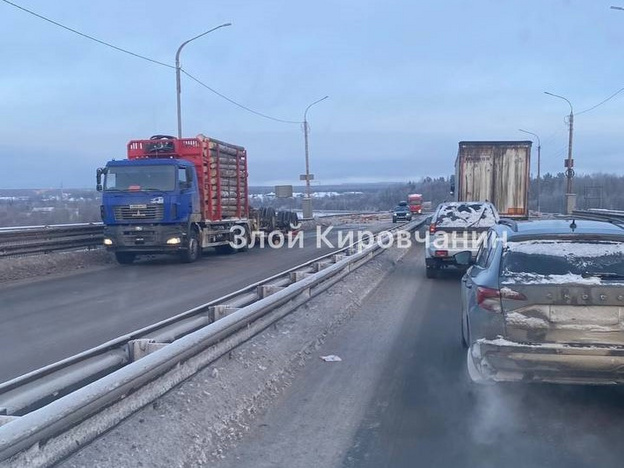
(147, 204)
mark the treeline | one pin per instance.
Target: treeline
(593, 191)
(31, 208)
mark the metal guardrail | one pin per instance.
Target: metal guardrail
(600, 215)
(15, 241)
(43, 239)
(48, 402)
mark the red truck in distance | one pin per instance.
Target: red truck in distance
(415, 203)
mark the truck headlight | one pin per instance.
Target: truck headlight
(108, 241)
(174, 241)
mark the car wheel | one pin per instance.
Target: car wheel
(431, 272)
(465, 332)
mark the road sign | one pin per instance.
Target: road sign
(303, 177)
(283, 191)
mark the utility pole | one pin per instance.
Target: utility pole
(570, 198)
(307, 201)
(178, 81)
(539, 162)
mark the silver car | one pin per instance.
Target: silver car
(545, 302)
(456, 227)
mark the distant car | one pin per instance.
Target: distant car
(456, 227)
(401, 213)
(547, 303)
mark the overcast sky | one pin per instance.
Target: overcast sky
(407, 80)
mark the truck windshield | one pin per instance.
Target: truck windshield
(128, 178)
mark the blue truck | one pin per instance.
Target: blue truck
(176, 196)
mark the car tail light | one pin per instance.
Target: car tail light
(441, 253)
(490, 299)
(432, 228)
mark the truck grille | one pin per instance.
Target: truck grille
(139, 212)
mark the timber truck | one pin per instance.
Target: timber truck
(176, 196)
(494, 171)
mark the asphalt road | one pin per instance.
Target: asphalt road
(46, 320)
(401, 398)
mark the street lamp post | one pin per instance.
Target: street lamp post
(539, 158)
(569, 163)
(177, 67)
(307, 205)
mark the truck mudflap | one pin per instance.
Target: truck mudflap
(501, 360)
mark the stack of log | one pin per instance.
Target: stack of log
(225, 178)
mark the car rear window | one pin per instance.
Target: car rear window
(563, 261)
(466, 215)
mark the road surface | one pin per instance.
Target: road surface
(49, 319)
(400, 397)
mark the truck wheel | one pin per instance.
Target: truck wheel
(226, 249)
(193, 251)
(245, 247)
(125, 258)
(431, 272)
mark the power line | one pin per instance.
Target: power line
(602, 102)
(107, 44)
(236, 103)
(553, 137)
(125, 51)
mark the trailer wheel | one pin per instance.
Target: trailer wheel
(293, 220)
(245, 247)
(125, 258)
(193, 252)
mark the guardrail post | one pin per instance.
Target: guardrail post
(298, 275)
(142, 347)
(217, 312)
(266, 290)
(350, 251)
(336, 258)
(319, 266)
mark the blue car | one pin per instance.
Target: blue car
(544, 302)
(401, 213)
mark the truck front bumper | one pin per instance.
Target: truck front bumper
(145, 238)
(505, 361)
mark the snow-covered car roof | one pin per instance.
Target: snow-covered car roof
(466, 214)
